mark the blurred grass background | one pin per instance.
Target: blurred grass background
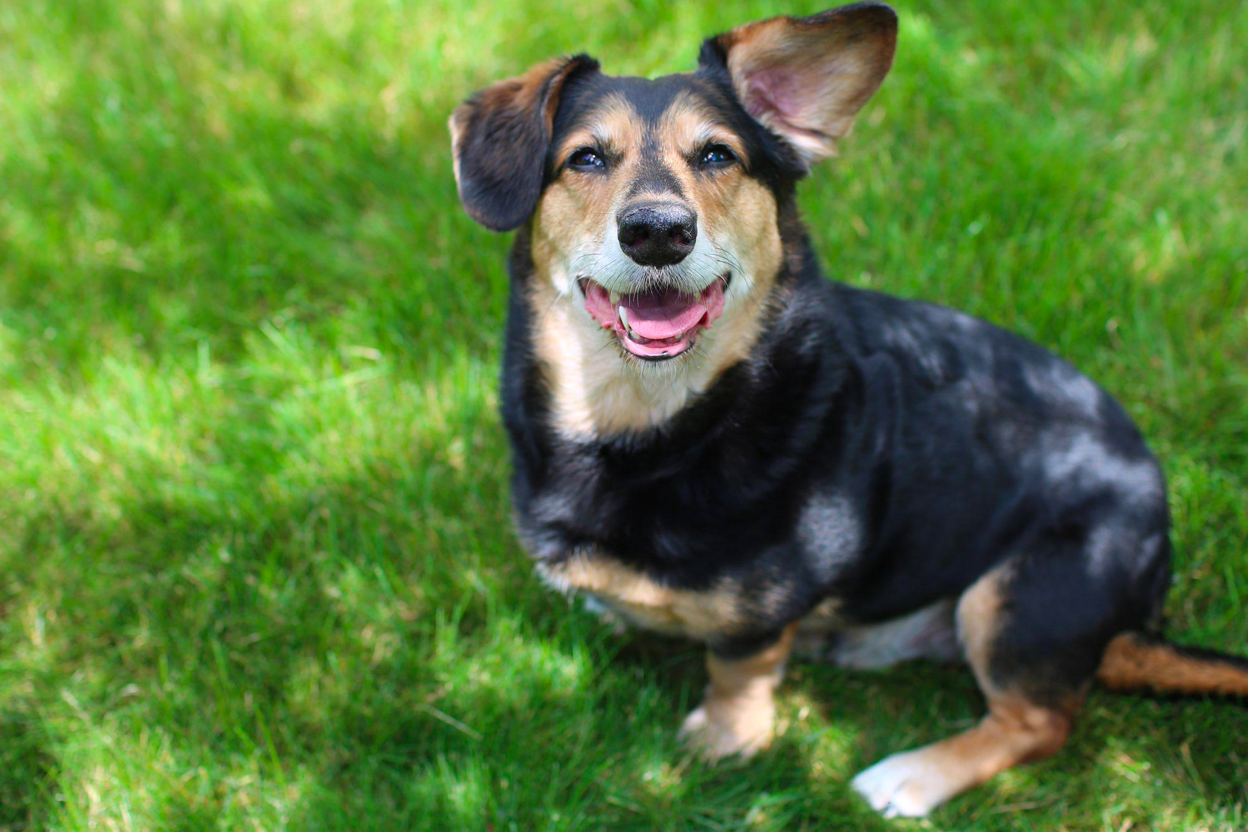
(256, 569)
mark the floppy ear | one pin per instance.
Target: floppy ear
(805, 78)
(499, 138)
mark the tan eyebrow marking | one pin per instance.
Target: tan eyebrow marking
(612, 126)
(690, 123)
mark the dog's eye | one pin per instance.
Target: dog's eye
(586, 158)
(716, 156)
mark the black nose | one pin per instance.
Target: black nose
(658, 234)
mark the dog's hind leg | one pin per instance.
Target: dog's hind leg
(1033, 675)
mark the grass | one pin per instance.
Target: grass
(256, 569)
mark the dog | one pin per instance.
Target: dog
(711, 440)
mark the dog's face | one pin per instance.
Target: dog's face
(655, 207)
(652, 205)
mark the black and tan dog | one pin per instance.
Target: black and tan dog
(714, 441)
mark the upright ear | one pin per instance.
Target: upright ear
(499, 138)
(805, 78)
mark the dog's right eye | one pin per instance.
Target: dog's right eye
(586, 158)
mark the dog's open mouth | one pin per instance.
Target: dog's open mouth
(658, 323)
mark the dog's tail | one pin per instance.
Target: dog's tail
(1138, 661)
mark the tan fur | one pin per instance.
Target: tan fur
(615, 128)
(595, 392)
(751, 225)
(1016, 730)
(646, 602)
(738, 713)
(978, 619)
(738, 213)
(689, 124)
(1132, 663)
(574, 210)
(455, 124)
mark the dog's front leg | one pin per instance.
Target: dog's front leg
(738, 713)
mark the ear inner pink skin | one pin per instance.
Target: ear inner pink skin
(662, 322)
(767, 93)
(806, 78)
(770, 93)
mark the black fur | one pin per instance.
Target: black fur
(882, 452)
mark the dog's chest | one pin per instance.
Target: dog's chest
(647, 602)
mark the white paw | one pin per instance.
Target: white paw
(902, 785)
(715, 739)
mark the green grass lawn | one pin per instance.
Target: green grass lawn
(256, 567)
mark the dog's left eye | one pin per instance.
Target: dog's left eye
(587, 157)
(716, 156)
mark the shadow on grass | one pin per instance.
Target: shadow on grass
(28, 764)
(344, 640)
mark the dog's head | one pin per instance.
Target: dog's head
(652, 204)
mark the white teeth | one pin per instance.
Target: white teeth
(615, 298)
(624, 319)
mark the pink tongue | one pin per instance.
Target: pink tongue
(665, 314)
